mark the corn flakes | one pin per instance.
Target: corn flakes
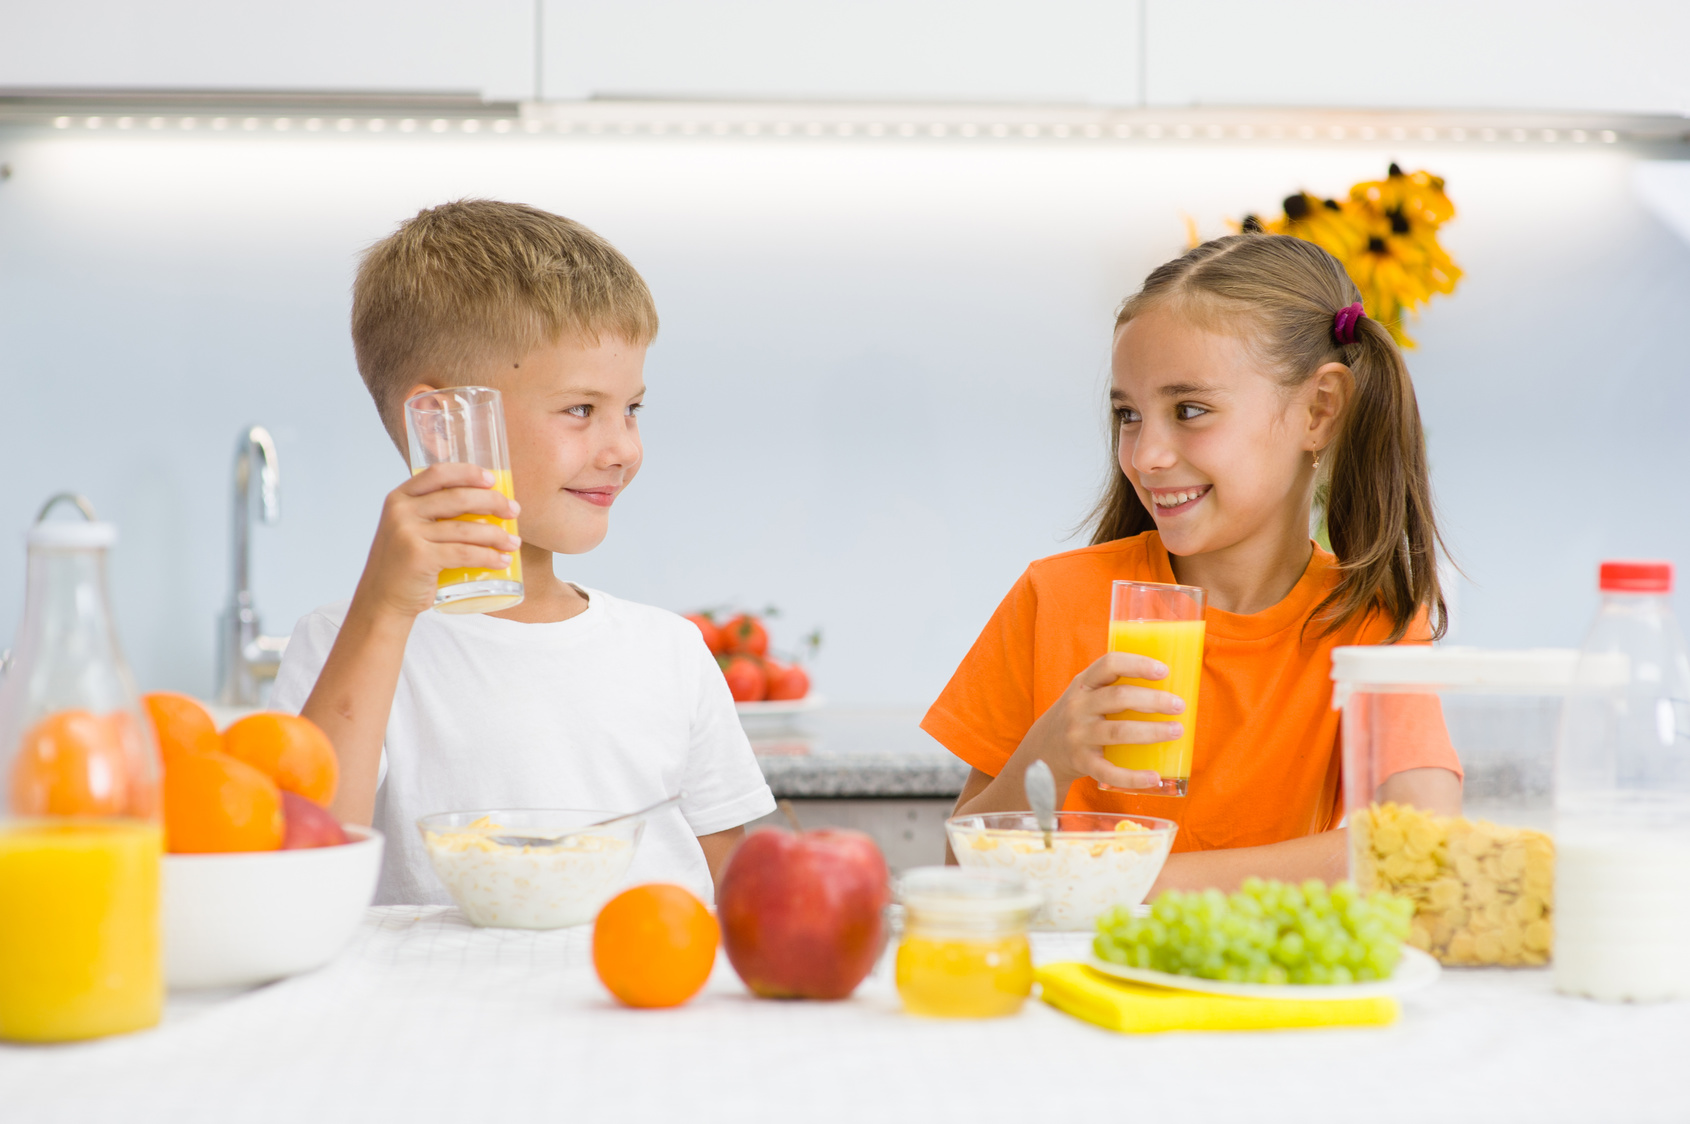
(1483, 892)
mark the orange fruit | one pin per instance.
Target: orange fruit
(213, 802)
(182, 724)
(71, 763)
(654, 945)
(290, 750)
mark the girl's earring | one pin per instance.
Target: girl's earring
(1317, 460)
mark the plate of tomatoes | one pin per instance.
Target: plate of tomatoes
(760, 682)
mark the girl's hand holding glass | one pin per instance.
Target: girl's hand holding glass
(1071, 735)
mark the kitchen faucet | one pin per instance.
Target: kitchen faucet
(245, 656)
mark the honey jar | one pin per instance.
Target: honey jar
(964, 952)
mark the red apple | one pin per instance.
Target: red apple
(801, 913)
(309, 824)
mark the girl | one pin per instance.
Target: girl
(1242, 373)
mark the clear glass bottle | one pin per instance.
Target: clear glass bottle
(80, 837)
(964, 952)
(1622, 799)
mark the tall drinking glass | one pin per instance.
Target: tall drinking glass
(466, 425)
(1164, 622)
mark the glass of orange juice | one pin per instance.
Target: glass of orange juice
(466, 425)
(1164, 622)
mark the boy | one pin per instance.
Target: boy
(572, 698)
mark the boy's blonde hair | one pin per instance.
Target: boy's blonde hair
(476, 276)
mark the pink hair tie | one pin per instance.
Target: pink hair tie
(1344, 323)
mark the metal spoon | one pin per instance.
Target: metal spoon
(557, 840)
(1040, 784)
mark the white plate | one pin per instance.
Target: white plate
(1414, 971)
(785, 706)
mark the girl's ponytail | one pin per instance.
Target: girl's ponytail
(1379, 501)
(1379, 507)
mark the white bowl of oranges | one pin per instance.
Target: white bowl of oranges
(260, 881)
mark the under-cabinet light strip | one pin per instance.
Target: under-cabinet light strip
(968, 130)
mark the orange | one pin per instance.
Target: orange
(213, 802)
(654, 945)
(71, 763)
(182, 724)
(290, 750)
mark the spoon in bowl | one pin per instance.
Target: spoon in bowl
(544, 841)
(1040, 784)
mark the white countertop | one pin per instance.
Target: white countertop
(425, 1018)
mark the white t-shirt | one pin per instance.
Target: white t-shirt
(615, 708)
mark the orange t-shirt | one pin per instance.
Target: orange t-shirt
(1266, 765)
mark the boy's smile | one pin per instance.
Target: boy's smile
(599, 497)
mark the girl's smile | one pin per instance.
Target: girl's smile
(1168, 502)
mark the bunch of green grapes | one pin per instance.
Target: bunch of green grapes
(1268, 932)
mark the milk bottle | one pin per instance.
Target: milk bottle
(1622, 865)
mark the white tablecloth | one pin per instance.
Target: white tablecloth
(425, 1018)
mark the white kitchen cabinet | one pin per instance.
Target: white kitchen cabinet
(924, 50)
(484, 46)
(1516, 54)
(1623, 55)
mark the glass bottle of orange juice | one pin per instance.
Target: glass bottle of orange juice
(80, 833)
(466, 425)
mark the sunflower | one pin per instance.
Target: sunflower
(1386, 236)
(1329, 224)
(1419, 196)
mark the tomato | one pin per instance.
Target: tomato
(712, 634)
(746, 680)
(745, 633)
(791, 682)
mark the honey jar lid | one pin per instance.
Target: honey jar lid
(963, 893)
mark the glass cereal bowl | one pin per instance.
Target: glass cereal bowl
(530, 868)
(1096, 860)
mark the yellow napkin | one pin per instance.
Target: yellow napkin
(1142, 1009)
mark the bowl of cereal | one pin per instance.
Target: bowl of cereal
(530, 868)
(1094, 860)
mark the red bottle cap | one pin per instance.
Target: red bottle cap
(1636, 577)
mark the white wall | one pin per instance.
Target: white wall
(1545, 54)
(877, 391)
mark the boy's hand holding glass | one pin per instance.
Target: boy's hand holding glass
(1072, 734)
(422, 533)
(466, 425)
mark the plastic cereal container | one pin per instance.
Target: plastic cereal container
(1482, 881)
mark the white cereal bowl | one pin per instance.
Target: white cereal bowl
(249, 917)
(1097, 860)
(575, 864)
